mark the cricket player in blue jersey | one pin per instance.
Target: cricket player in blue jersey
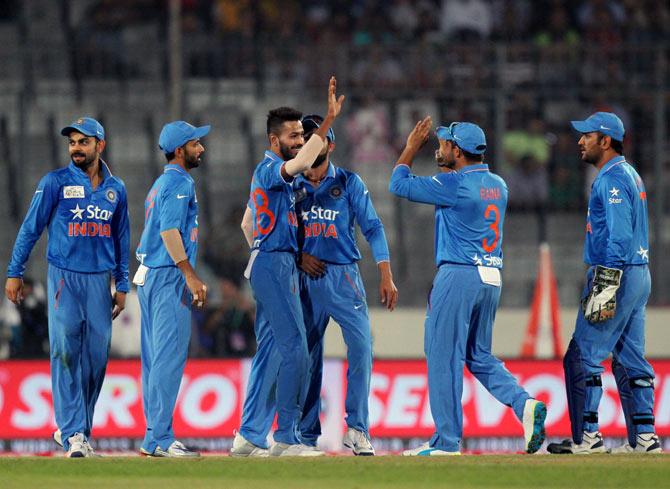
(470, 204)
(86, 211)
(618, 284)
(270, 226)
(329, 201)
(167, 285)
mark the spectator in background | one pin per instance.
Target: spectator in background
(565, 192)
(527, 153)
(369, 132)
(466, 20)
(26, 324)
(230, 325)
(558, 30)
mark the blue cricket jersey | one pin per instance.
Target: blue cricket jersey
(170, 204)
(617, 231)
(328, 214)
(469, 212)
(89, 230)
(273, 207)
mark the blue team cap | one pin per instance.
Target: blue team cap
(178, 133)
(87, 126)
(606, 123)
(312, 122)
(467, 136)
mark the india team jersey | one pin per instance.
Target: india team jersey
(89, 230)
(469, 212)
(617, 228)
(170, 204)
(328, 214)
(273, 206)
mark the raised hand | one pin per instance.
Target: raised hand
(419, 135)
(334, 102)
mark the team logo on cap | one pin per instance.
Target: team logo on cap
(80, 121)
(335, 192)
(111, 195)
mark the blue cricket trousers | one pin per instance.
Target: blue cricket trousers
(623, 336)
(280, 366)
(165, 305)
(80, 332)
(458, 332)
(339, 295)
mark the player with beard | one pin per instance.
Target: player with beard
(270, 226)
(86, 210)
(618, 284)
(470, 204)
(167, 285)
(329, 201)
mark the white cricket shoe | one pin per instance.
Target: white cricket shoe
(592, 442)
(77, 446)
(176, 450)
(58, 438)
(426, 450)
(90, 451)
(358, 442)
(645, 443)
(534, 414)
(279, 449)
(244, 448)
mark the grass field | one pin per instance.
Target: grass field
(503, 471)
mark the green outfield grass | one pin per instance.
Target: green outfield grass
(509, 471)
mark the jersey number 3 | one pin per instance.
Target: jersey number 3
(492, 209)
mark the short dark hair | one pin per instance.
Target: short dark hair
(169, 156)
(277, 117)
(617, 146)
(472, 157)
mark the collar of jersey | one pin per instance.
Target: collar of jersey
(106, 172)
(273, 156)
(617, 160)
(478, 167)
(175, 167)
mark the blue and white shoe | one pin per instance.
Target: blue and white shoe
(176, 450)
(646, 443)
(426, 450)
(534, 414)
(358, 442)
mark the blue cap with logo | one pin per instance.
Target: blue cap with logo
(178, 133)
(312, 122)
(467, 136)
(87, 126)
(606, 123)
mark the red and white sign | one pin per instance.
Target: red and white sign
(209, 402)
(399, 404)
(212, 391)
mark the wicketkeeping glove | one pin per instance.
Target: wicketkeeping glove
(600, 304)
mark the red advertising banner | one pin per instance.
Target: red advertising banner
(399, 405)
(212, 391)
(209, 402)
